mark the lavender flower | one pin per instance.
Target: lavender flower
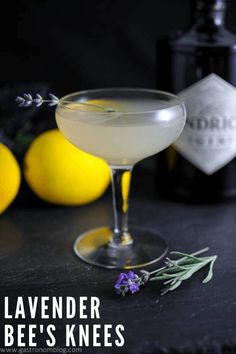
(27, 100)
(128, 283)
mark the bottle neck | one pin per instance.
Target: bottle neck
(209, 13)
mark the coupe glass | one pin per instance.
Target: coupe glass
(121, 126)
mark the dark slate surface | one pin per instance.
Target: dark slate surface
(36, 258)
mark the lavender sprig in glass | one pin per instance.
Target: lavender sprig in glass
(28, 100)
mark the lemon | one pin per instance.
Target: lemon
(62, 174)
(9, 177)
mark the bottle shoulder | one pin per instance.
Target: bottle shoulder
(192, 38)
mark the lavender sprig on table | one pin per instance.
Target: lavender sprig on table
(28, 100)
(172, 274)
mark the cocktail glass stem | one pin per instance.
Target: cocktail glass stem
(120, 188)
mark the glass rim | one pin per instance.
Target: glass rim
(177, 100)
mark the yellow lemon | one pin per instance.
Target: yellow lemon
(9, 177)
(62, 174)
(126, 178)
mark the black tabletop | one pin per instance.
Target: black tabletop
(36, 259)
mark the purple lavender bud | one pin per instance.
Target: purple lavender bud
(27, 103)
(28, 96)
(128, 283)
(121, 278)
(53, 97)
(133, 288)
(37, 102)
(39, 96)
(19, 99)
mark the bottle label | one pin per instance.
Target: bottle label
(208, 140)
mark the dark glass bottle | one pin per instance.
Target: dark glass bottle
(201, 165)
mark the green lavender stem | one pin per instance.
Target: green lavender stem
(176, 271)
(192, 254)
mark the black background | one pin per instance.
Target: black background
(65, 46)
(85, 44)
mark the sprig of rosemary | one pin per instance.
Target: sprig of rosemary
(172, 274)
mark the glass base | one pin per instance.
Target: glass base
(93, 247)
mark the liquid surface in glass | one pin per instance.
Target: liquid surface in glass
(134, 130)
